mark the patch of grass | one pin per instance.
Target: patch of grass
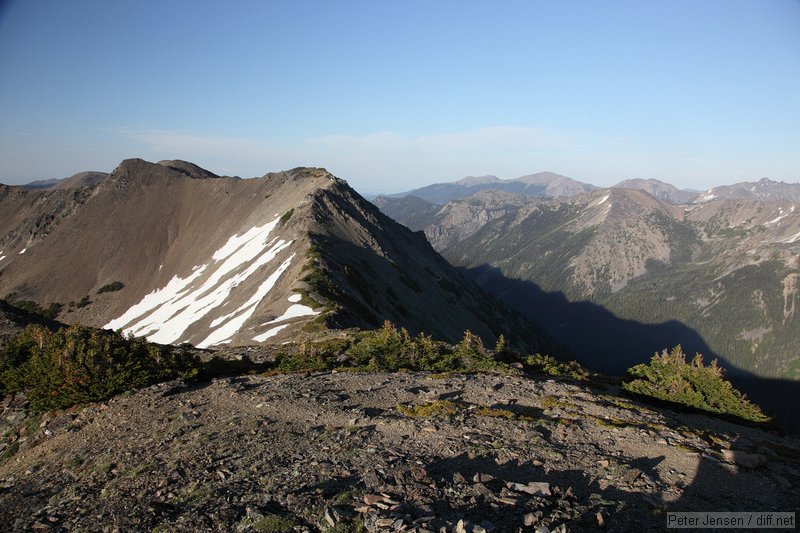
(439, 408)
(273, 523)
(495, 413)
(619, 402)
(194, 493)
(9, 452)
(139, 470)
(549, 402)
(74, 461)
(670, 378)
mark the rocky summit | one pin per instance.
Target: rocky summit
(356, 451)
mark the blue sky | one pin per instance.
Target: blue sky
(394, 95)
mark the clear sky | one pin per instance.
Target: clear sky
(392, 95)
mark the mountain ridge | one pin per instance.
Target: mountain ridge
(214, 260)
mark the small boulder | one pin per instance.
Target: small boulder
(745, 459)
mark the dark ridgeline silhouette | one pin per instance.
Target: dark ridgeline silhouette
(596, 338)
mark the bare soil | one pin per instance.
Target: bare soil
(406, 451)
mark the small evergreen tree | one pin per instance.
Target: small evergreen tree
(670, 378)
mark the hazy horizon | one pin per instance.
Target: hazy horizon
(395, 96)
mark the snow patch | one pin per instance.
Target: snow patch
(23, 251)
(793, 238)
(240, 242)
(270, 333)
(294, 298)
(165, 314)
(603, 200)
(175, 287)
(707, 196)
(776, 220)
(294, 311)
(244, 312)
(2, 257)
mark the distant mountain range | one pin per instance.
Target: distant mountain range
(764, 190)
(663, 191)
(542, 184)
(172, 252)
(81, 179)
(616, 274)
(551, 185)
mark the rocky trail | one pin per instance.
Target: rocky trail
(349, 451)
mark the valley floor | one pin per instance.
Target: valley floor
(402, 451)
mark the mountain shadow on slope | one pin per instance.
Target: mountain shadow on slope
(412, 292)
(13, 320)
(603, 342)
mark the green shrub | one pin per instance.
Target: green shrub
(52, 310)
(286, 216)
(549, 365)
(79, 364)
(50, 313)
(83, 302)
(670, 378)
(391, 349)
(111, 287)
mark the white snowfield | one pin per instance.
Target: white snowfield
(781, 216)
(706, 197)
(165, 314)
(794, 238)
(294, 311)
(270, 333)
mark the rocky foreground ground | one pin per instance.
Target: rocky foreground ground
(408, 452)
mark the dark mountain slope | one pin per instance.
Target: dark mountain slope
(411, 211)
(721, 276)
(727, 272)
